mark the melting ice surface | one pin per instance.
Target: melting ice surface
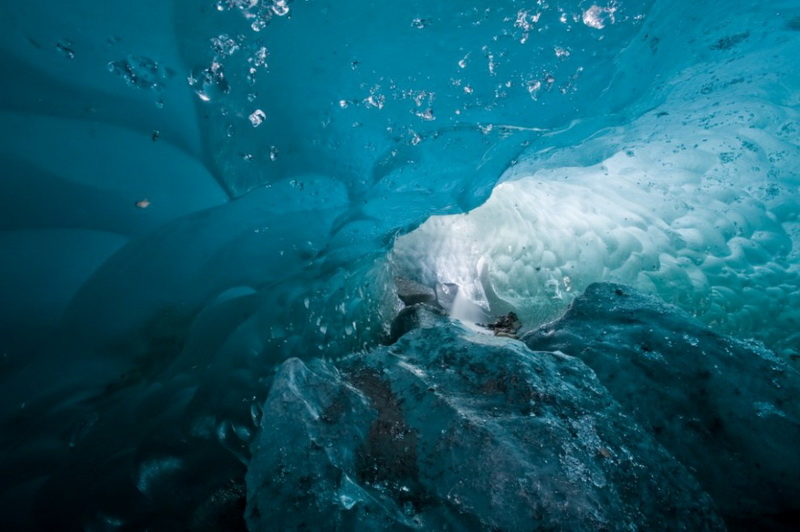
(210, 208)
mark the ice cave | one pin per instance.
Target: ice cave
(426, 265)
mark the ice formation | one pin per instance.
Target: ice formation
(215, 212)
(694, 199)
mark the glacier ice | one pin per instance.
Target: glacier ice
(694, 199)
(165, 265)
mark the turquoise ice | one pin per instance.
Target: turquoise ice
(199, 198)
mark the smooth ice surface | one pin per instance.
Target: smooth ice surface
(196, 191)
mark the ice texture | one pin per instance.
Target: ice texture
(689, 193)
(161, 258)
(453, 429)
(725, 408)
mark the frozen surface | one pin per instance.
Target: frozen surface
(726, 409)
(690, 194)
(451, 429)
(196, 191)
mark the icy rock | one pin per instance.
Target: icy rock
(312, 424)
(725, 408)
(411, 293)
(415, 317)
(451, 429)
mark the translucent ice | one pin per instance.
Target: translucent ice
(161, 258)
(690, 193)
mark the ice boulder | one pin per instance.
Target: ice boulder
(451, 429)
(727, 409)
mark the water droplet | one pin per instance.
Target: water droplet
(257, 117)
(533, 88)
(255, 414)
(251, 76)
(426, 115)
(597, 17)
(224, 45)
(259, 58)
(259, 24)
(347, 501)
(65, 47)
(280, 7)
(375, 100)
(209, 83)
(141, 72)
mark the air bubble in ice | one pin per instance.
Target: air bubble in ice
(257, 117)
(141, 72)
(209, 83)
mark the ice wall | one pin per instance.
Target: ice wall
(694, 199)
(287, 102)
(194, 192)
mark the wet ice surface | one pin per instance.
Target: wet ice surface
(452, 429)
(627, 413)
(725, 408)
(183, 210)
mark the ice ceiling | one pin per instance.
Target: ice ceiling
(195, 191)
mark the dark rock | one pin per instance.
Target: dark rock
(412, 293)
(458, 430)
(727, 409)
(418, 316)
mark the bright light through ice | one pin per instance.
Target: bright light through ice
(596, 16)
(540, 240)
